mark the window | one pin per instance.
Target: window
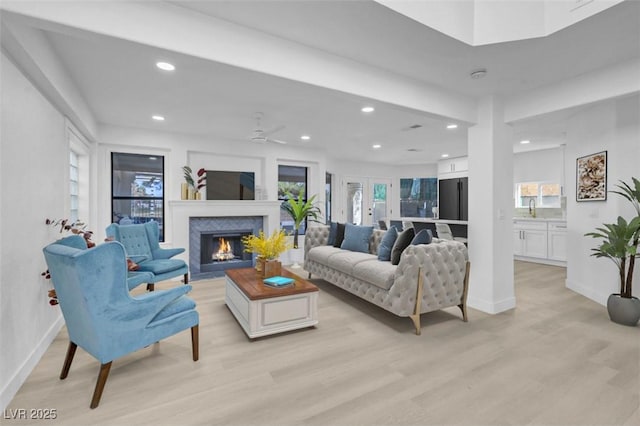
(137, 189)
(327, 196)
(291, 180)
(543, 194)
(418, 197)
(74, 186)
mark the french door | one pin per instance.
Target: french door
(367, 200)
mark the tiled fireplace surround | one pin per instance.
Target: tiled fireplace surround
(188, 218)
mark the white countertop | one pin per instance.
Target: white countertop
(429, 220)
(540, 219)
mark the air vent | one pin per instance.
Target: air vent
(415, 126)
(414, 150)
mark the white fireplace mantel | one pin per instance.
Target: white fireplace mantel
(180, 211)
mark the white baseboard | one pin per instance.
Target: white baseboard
(492, 307)
(596, 296)
(13, 385)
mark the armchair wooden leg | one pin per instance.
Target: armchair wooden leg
(102, 379)
(151, 287)
(71, 351)
(186, 278)
(309, 276)
(195, 346)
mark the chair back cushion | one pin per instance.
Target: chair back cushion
(86, 282)
(134, 238)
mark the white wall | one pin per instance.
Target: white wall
(180, 150)
(612, 126)
(34, 180)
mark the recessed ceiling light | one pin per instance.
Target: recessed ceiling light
(165, 66)
(444, 155)
(478, 73)
(305, 137)
(452, 126)
(153, 158)
(376, 146)
(524, 142)
(157, 117)
(368, 109)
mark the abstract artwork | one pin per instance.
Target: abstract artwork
(591, 177)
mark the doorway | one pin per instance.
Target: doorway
(367, 200)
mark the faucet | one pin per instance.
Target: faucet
(532, 207)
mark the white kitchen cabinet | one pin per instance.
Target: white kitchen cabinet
(453, 167)
(557, 241)
(543, 241)
(530, 239)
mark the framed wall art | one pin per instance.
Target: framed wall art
(591, 177)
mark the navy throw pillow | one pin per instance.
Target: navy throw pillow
(333, 229)
(339, 235)
(386, 244)
(356, 238)
(422, 237)
(402, 242)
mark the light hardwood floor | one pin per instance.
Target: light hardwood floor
(554, 360)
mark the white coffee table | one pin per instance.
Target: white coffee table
(262, 310)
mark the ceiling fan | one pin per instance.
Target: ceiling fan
(261, 136)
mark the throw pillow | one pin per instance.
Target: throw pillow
(356, 238)
(339, 235)
(333, 229)
(402, 242)
(422, 237)
(386, 244)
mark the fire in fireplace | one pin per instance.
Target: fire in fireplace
(225, 252)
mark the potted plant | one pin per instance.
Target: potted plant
(267, 249)
(300, 210)
(620, 244)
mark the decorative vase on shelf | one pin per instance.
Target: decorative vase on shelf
(184, 191)
(191, 193)
(198, 195)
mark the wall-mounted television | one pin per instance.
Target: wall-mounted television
(223, 185)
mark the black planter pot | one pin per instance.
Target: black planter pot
(622, 310)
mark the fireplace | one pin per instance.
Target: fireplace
(206, 235)
(221, 250)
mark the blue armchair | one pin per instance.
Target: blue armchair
(141, 241)
(101, 316)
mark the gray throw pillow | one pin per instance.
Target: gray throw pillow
(386, 244)
(402, 242)
(333, 230)
(339, 234)
(356, 238)
(422, 237)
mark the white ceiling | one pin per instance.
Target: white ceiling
(121, 85)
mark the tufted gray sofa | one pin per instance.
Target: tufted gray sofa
(436, 274)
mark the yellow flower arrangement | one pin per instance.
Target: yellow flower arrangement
(267, 247)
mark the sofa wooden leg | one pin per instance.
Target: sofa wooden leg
(102, 379)
(71, 351)
(418, 306)
(186, 278)
(151, 287)
(416, 323)
(463, 305)
(309, 276)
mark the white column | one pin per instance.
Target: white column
(491, 210)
